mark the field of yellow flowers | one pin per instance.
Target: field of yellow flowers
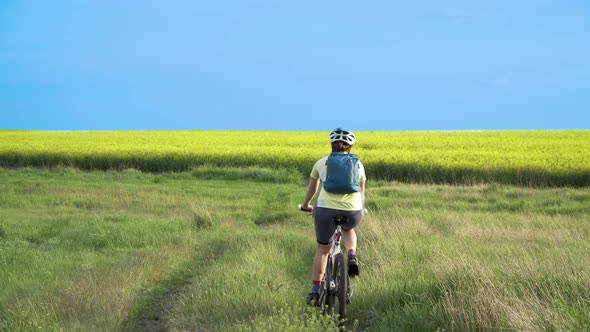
(541, 157)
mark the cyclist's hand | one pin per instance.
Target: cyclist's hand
(306, 207)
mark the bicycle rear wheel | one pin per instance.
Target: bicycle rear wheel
(324, 301)
(339, 294)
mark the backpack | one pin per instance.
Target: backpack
(342, 173)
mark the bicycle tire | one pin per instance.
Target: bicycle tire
(324, 300)
(338, 298)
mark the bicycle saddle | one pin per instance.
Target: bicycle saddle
(340, 220)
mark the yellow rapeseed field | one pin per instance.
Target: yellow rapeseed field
(518, 157)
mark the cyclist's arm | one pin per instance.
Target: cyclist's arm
(312, 189)
(362, 190)
(362, 184)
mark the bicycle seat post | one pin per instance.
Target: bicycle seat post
(338, 234)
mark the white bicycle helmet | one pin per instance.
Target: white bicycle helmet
(342, 135)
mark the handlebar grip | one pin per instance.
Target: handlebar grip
(302, 209)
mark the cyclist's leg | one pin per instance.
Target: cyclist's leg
(319, 261)
(350, 243)
(348, 233)
(318, 269)
(324, 228)
(324, 225)
(350, 240)
(324, 231)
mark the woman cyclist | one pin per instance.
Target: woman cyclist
(330, 205)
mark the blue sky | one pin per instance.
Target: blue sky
(294, 65)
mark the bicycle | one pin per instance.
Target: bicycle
(335, 289)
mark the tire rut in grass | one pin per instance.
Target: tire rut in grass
(150, 315)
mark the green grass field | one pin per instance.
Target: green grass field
(224, 249)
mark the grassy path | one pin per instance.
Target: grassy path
(104, 251)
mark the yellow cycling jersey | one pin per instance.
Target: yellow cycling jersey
(346, 202)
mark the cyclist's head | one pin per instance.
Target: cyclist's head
(342, 140)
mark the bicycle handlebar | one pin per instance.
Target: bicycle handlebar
(302, 209)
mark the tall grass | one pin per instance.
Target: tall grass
(119, 250)
(88, 251)
(470, 258)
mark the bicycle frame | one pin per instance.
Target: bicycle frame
(335, 290)
(336, 249)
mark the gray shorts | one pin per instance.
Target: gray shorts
(325, 225)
